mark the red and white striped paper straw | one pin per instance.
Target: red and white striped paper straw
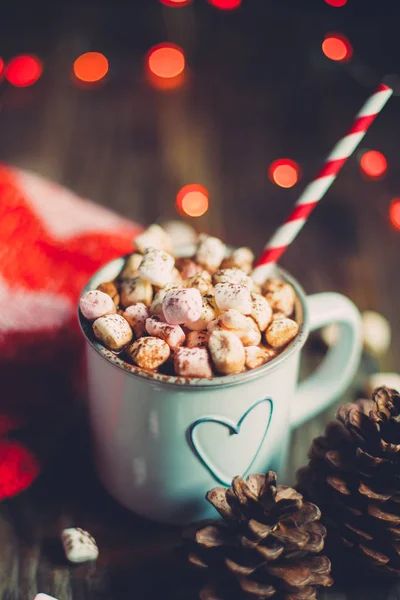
(321, 183)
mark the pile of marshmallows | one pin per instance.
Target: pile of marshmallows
(205, 314)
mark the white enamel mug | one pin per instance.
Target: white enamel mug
(160, 443)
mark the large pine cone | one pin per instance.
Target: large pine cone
(266, 546)
(354, 476)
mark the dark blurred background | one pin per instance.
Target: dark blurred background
(257, 87)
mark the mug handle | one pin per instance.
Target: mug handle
(335, 372)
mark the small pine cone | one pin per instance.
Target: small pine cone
(354, 476)
(267, 545)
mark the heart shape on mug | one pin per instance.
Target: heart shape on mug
(222, 454)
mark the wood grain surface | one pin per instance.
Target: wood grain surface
(254, 93)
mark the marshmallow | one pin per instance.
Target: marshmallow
(172, 334)
(227, 352)
(176, 278)
(376, 333)
(156, 267)
(233, 295)
(233, 320)
(44, 597)
(197, 339)
(187, 267)
(252, 335)
(156, 305)
(192, 362)
(181, 234)
(130, 268)
(280, 296)
(149, 352)
(136, 315)
(245, 328)
(261, 311)
(242, 258)
(95, 304)
(207, 315)
(136, 290)
(210, 252)
(182, 305)
(201, 281)
(113, 331)
(254, 357)
(281, 332)
(79, 546)
(153, 237)
(233, 276)
(109, 288)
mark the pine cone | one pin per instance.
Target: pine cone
(266, 546)
(354, 476)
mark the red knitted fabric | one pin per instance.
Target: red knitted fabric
(51, 241)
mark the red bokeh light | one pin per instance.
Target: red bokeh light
(176, 3)
(284, 172)
(373, 163)
(166, 61)
(226, 4)
(23, 71)
(91, 67)
(337, 47)
(1, 68)
(394, 213)
(165, 65)
(192, 200)
(336, 3)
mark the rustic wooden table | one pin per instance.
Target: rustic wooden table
(131, 149)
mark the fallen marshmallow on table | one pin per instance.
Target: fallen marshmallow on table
(172, 334)
(95, 304)
(192, 362)
(79, 546)
(182, 305)
(157, 267)
(113, 331)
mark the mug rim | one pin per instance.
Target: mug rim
(191, 382)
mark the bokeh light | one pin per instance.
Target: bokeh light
(394, 213)
(337, 47)
(176, 3)
(192, 200)
(24, 70)
(373, 163)
(166, 61)
(336, 3)
(91, 67)
(1, 68)
(284, 172)
(165, 64)
(225, 4)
